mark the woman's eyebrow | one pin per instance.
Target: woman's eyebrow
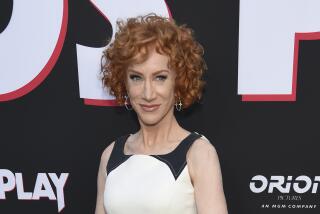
(131, 70)
(160, 71)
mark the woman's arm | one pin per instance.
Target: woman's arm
(102, 179)
(205, 173)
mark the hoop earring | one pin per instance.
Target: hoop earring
(126, 103)
(178, 105)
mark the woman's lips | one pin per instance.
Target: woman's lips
(150, 108)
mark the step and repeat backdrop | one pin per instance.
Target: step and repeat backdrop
(261, 105)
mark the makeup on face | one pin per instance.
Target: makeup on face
(150, 87)
(136, 76)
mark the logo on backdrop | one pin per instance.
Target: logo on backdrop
(269, 46)
(27, 60)
(42, 188)
(285, 191)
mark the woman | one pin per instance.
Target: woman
(152, 67)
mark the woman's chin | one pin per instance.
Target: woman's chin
(152, 118)
(149, 120)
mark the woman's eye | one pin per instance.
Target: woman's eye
(134, 77)
(161, 77)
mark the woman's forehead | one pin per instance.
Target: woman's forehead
(152, 61)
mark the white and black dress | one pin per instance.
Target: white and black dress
(150, 184)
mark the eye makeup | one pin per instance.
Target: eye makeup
(134, 77)
(161, 77)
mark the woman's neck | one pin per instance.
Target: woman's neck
(163, 132)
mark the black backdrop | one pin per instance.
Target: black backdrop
(50, 129)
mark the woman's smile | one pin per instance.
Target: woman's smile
(149, 108)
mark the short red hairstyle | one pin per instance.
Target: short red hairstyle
(132, 43)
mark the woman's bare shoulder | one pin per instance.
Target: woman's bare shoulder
(202, 146)
(202, 153)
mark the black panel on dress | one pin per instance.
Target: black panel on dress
(117, 157)
(175, 160)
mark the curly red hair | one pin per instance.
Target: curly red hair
(132, 43)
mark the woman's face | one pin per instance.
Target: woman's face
(150, 86)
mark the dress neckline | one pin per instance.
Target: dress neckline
(157, 155)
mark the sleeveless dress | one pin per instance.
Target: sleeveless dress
(150, 184)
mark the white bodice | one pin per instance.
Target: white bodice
(149, 184)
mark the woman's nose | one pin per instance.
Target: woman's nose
(148, 90)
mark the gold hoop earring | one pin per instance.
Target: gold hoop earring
(126, 103)
(178, 105)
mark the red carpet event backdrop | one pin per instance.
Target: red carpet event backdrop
(260, 107)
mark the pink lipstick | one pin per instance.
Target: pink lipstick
(150, 108)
